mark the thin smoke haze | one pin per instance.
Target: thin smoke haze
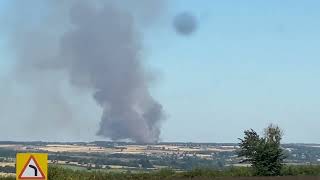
(97, 47)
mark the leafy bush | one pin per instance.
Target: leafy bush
(302, 170)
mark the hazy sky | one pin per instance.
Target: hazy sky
(250, 63)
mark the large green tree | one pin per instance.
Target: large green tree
(263, 153)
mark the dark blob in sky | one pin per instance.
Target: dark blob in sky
(185, 23)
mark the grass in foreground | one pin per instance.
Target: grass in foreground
(60, 173)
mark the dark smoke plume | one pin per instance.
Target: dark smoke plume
(97, 46)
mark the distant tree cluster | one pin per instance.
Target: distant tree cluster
(7, 169)
(8, 153)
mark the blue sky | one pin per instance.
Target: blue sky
(250, 63)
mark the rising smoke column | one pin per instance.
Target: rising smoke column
(103, 51)
(100, 49)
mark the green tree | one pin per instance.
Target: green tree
(145, 163)
(264, 153)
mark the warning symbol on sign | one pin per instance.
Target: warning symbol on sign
(32, 170)
(32, 166)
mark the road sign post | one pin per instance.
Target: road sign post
(32, 166)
